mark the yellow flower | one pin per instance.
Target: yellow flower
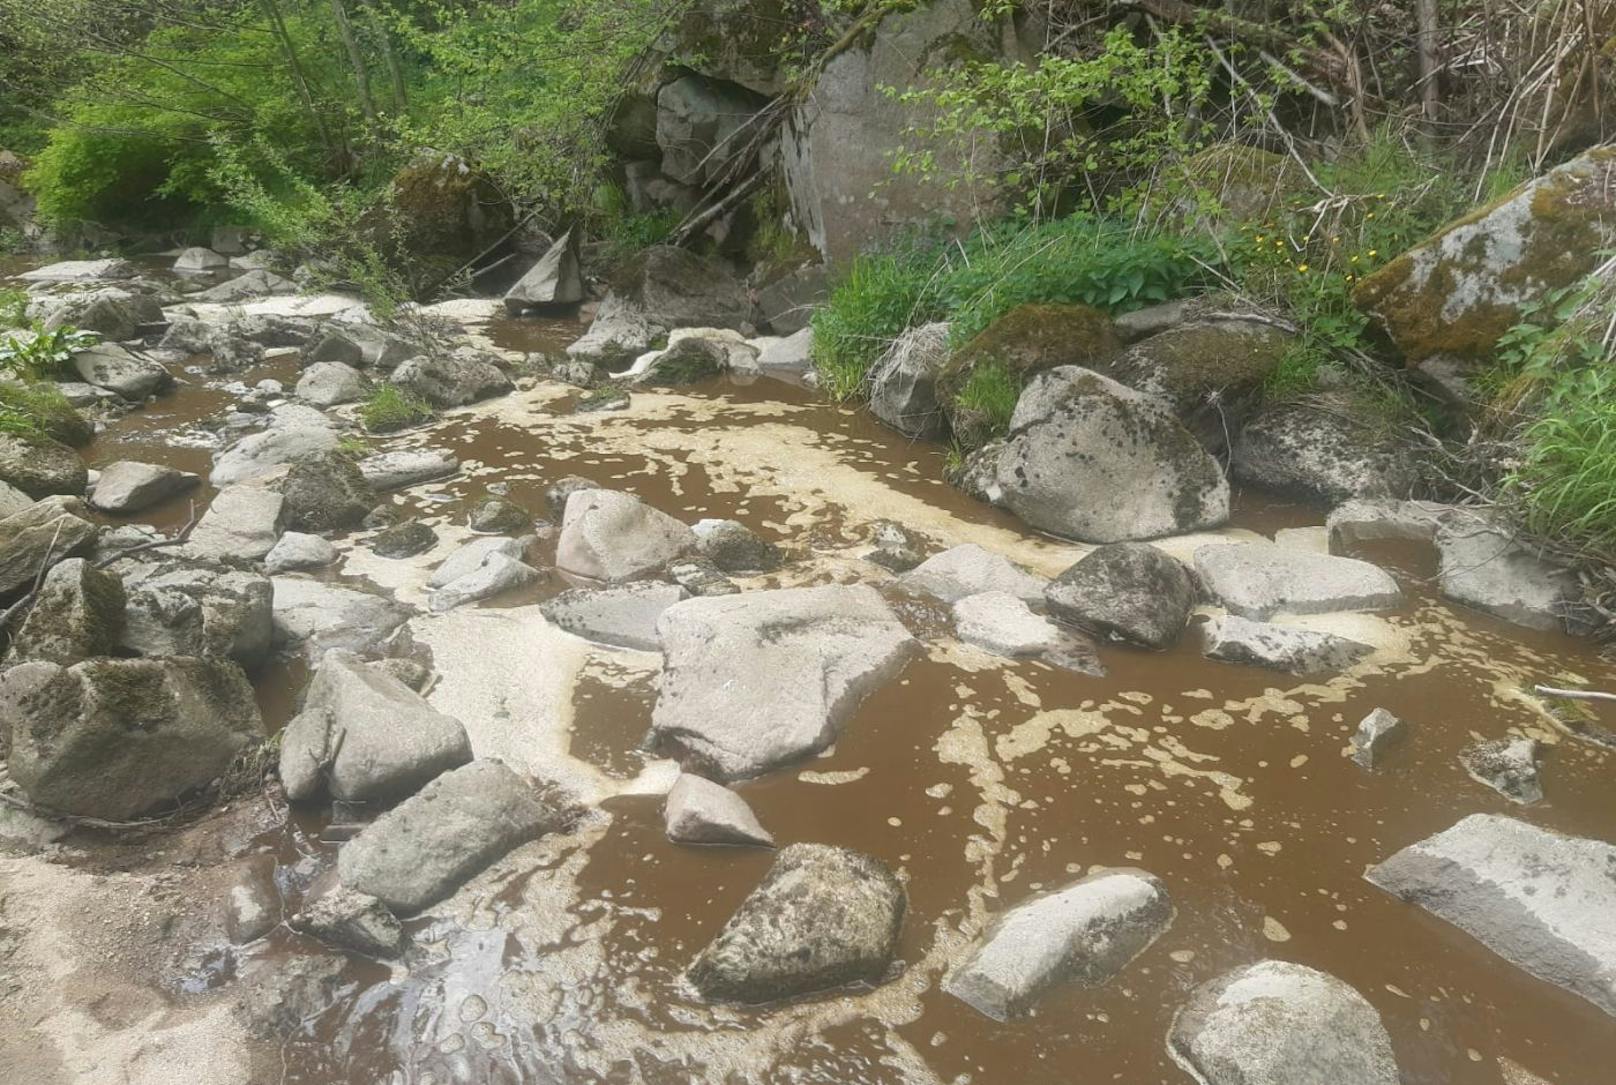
(1302, 268)
(1355, 258)
(1374, 252)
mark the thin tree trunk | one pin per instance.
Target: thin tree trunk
(356, 57)
(1429, 41)
(298, 78)
(395, 73)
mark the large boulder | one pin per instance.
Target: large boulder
(424, 848)
(1130, 591)
(702, 125)
(253, 284)
(116, 738)
(1083, 934)
(452, 380)
(115, 315)
(444, 213)
(200, 258)
(903, 382)
(38, 537)
(364, 736)
(556, 280)
(327, 492)
(1541, 900)
(609, 535)
(756, 680)
(1483, 567)
(318, 616)
(80, 271)
(1456, 293)
(823, 917)
(620, 332)
(1210, 372)
(968, 569)
(1261, 579)
(40, 467)
(1030, 339)
(242, 524)
(200, 611)
(129, 486)
(1095, 460)
(1278, 1023)
(1233, 639)
(259, 454)
(676, 288)
(1322, 453)
(623, 614)
(77, 614)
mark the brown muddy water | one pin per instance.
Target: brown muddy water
(980, 781)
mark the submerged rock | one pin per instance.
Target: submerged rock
(430, 844)
(625, 615)
(1234, 639)
(968, 569)
(77, 614)
(1541, 900)
(1083, 934)
(903, 382)
(1130, 591)
(364, 735)
(608, 535)
(756, 680)
(1258, 580)
(1484, 568)
(1278, 1023)
(1508, 766)
(117, 738)
(699, 811)
(1377, 732)
(823, 917)
(1091, 459)
(341, 917)
(128, 486)
(499, 516)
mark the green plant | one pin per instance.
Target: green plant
(1564, 487)
(883, 294)
(38, 354)
(13, 307)
(390, 408)
(353, 446)
(38, 409)
(990, 393)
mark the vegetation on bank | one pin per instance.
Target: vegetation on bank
(390, 408)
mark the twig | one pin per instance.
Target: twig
(1574, 694)
(154, 544)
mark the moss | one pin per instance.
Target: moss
(687, 362)
(135, 691)
(1194, 363)
(446, 208)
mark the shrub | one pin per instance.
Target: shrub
(390, 408)
(39, 354)
(38, 409)
(13, 307)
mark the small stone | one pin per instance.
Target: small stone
(699, 811)
(698, 576)
(496, 515)
(470, 557)
(1508, 766)
(297, 550)
(1000, 623)
(1377, 732)
(350, 920)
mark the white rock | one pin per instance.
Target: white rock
(470, 557)
(319, 616)
(298, 550)
(1000, 623)
(608, 535)
(497, 573)
(243, 522)
(78, 271)
(129, 486)
(326, 384)
(699, 811)
(259, 454)
(1233, 639)
(1376, 733)
(624, 614)
(198, 258)
(1258, 580)
(970, 570)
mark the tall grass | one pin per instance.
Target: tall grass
(1565, 485)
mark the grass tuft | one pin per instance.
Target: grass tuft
(390, 409)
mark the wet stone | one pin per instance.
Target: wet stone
(699, 811)
(404, 540)
(1508, 766)
(970, 570)
(496, 573)
(341, 917)
(606, 398)
(252, 905)
(1377, 733)
(1259, 580)
(735, 548)
(387, 471)
(470, 557)
(698, 576)
(128, 486)
(1130, 591)
(1233, 639)
(608, 535)
(625, 615)
(1002, 624)
(496, 515)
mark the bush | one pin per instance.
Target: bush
(390, 408)
(13, 307)
(39, 354)
(38, 409)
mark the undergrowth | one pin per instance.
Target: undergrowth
(390, 408)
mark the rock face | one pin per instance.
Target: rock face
(40, 467)
(1234, 639)
(1508, 766)
(1130, 591)
(1482, 567)
(364, 735)
(1260, 579)
(424, 848)
(201, 611)
(116, 738)
(970, 570)
(242, 523)
(701, 124)
(1456, 293)
(756, 680)
(625, 615)
(111, 367)
(822, 918)
(1277, 1023)
(903, 382)
(77, 614)
(38, 537)
(1322, 455)
(608, 535)
(555, 280)
(452, 380)
(327, 492)
(1083, 934)
(699, 811)
(1539, 899)
(1093, 460)
(128, 486)
(676, 288)
(1377, 733)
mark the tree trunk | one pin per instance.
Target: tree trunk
(278, 25)
(1428, 37)
(356, 57)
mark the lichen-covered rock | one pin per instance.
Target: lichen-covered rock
(1508, 766)
(1457, 292)
(452, 380)
(38, 537)
(404, 540)
(499, 516)
(40, 467)
(823, 917)
(1094, 460)
(1028, 340)
(1278, 1023)
(116, 738)
(445, 212)
(200, 611)
(326, 492)
(1210, 373)
(1130, 591)
(735, 548)
(77, 614)
(1324, 453)
(903, 382)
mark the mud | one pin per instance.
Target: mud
(979, 781)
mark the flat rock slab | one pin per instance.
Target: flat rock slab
(259, 454)
(1083, 934)
(1369, 520)
(78, 271)
(427, 846)
(1278, 1023)
(243, 522)
(699, 811)
(387, 471)
(1232, 639)
(607, 535)
(822, 917)
(625, 615)
(970, 570)
(1541, 900)
(130, 486)
(1485, 569)
(756, 680)
(1258, 580)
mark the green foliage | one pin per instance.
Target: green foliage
(13, 307)
(38, 354)
(390, 408)
(625, 232)
(1565, 485)
(882, 294)
(990, 393)
(38, 409)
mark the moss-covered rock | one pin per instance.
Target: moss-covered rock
(78, 613)
(444, 211)
(40, 467)
(1458, 291)
(1210, 373)
(327, 492)
(1325, 452)
(1027, 340)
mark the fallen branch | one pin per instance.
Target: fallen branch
(1574, 694)
(153, 544)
